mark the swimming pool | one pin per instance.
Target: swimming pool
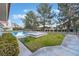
(22, 34)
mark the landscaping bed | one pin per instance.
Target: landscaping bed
(8, 45)
(51, 39)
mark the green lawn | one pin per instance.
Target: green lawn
(8, 45)
(51, 39)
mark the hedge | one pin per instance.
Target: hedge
(8, 45)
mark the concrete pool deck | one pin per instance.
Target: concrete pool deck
(24, 51)
(69, 47)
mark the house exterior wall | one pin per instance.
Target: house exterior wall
(4, 14)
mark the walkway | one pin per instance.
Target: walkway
(24, 51)
(69, 47)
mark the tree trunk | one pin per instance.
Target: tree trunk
(68, 26)
(75, 27)
(44, 24)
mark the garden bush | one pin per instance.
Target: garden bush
(8, 45)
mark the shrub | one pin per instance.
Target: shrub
(8, 45)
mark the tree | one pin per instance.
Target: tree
(69, 13)
(65, 14)
(45, 11)
(31, 20)
(75, 18)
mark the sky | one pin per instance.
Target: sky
(18, 11)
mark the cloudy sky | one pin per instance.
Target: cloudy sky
(18, 11)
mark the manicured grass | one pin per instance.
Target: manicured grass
(51, 39)
(8, 45)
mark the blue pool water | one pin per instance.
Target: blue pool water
(22, 34)
(15, 33)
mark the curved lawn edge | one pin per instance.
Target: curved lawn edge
(51, 39)
(24, 51)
